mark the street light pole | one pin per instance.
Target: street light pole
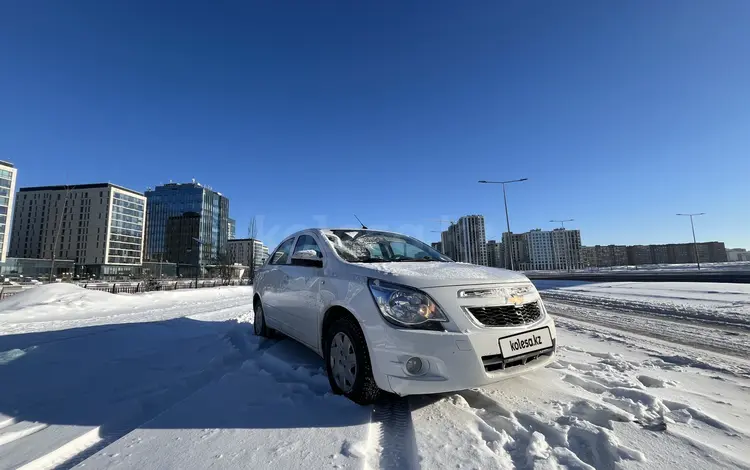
(692, 227)
(507, 217)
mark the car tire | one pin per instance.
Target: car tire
(259, 321)
(362, 388)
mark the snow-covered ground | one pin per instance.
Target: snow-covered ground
(177, 380)
(712, 303)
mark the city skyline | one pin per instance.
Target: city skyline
(277, 235)
(181, 215)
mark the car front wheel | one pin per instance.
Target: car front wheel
(348, 362)
(259, 321)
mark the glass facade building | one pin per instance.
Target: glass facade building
(7, 194)
(186, 223)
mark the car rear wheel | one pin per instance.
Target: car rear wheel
(348, 362)
(259, 321)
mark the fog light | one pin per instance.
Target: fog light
(414, 366)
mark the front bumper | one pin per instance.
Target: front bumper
(453, 361)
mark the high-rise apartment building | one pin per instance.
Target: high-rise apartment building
(515, 250)
(495, 254)
(231, 228)
(639, 255)
(448, 242)
(99, 226)
(681, 253)
(588, 257)
(566, 248)
(465, 241)
(659, 254)
(712, 252)
(551, 250)
(472, 242)
(611, 255)
(437, 246)
(187, 224)
(7, 194)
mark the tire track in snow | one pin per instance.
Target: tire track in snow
(689, 334)
(648, 311)
(392, 424)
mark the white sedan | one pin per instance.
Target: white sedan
(387, 312)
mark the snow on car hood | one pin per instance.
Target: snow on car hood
(439, 274)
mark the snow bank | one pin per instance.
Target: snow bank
(65, 306)
(59, 295)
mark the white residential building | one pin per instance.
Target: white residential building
(7, 195)
(737, 254)
(99, 226)
(558, 249)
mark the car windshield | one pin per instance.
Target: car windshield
(368, 246)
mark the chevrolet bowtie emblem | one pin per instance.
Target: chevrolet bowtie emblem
(516, 300)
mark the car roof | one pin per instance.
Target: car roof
(331, 229)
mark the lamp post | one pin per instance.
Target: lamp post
(507, 218)
(692, 227)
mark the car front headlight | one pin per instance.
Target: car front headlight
(405, 306)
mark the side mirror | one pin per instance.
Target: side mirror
(307, 258)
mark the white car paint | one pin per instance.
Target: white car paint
(296, 298)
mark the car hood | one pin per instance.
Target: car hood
(438, 274)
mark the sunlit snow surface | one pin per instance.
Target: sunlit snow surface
(177, 380)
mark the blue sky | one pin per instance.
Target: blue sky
(621, 114)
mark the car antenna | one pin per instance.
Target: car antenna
(360, 222)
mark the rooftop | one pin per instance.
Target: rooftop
(76, 186)
(191, 184)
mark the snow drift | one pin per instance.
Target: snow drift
(58, 296)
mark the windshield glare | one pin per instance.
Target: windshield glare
(366, 246)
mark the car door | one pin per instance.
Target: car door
(272, 284)
(301, 299)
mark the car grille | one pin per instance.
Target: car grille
(507, 315)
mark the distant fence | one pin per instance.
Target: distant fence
(136, 287)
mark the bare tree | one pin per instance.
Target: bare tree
(225, 266)
(58, 230)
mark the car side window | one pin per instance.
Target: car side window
(306, 242)
(281, 256)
